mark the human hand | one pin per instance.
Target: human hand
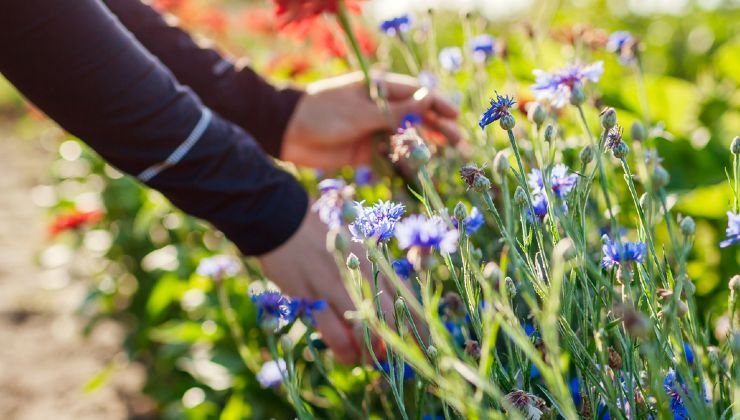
(334, 122)
(302, 267)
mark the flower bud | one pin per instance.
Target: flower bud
(586, 155)
(620, 150)
(420, 154)
(577, 95)
(481, 184)
(510, 287)
(688, 226)
(735, 146)
(734, 283)
(624, 275)
(476, 254)
(400, 306)
(472, 349)
(460, 211)
(681, 308)
(520, 196)
(353, 263)
(501, 164)
(286, 343)
(432, 353)
(337, 241)
(637, 131)
(608, 118)
(508, 122)
(735, 343)
(549, 133)
(537, 114)
(645, 202)
(661, 177)
(614, 359)
(349, 212)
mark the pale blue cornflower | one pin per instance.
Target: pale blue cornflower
(272, 373)
(500, 106)
(451, 59)
(377, 222)
(483, 47)
(619, 253)
(623, 44)
(219, 266)
(427, 79)
(418, 231)
(335, 196)
(733, 230)
(396, 26)
(555, 87)
(561, 180)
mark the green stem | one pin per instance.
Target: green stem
(346, 25)
(236, 331)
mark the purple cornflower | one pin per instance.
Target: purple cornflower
(618, 253)
(733, 230)
(377, 222)
(483, 47)
(555, 87)
(218, 267)
(303, 309)
(396, 26)
(472, 222)
(335, 196)
(500, 106)
(403, 268)
(451, 59)
(426, 233)
(624, 44)
(272, 306)
(561, 181)
(272, 373)
(363, 176)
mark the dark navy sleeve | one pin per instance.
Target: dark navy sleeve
(237, 93)
(76, 62)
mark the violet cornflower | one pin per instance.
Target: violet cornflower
(303, 309)
(396, 26)
(555, 87)
(377, 222)
(732, 231)
(426, 233)
(619, 253)
(451, 59)
(335, 197)
(218, 266)
(561, 180)
(483, 47)
(623, 44)
(499, 107)
(272, 373)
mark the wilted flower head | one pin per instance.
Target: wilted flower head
(303, 309)
(500, 107)
(555, 87)
(426, 233)
(218, 266)
(336, 195)
(618, 253)
(377, 222)
(624, 44)
(561, 181)
(733, 230)
(469, 173)
(451, 59)
(407, 144)
(613, 137)
(272, 307)
(272, 373)
(396, 26)
(483, 47)
(531, 406)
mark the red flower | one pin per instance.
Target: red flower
(74, 220)
(298, 15)
(258, 21)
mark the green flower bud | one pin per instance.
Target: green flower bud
(620, 150)
(420, 154)
(645, 202)
(432, 353)
(520, 196)
(286, 343)
(336, 241)
(349, 212)
(735, 283)
(400, 306)
(661, 177)
(608, 118)
(586, 155)
(549, 133)
(501, 164)
(735, 146)
(353, 263)
(481, 184)
(537, 114)
(507, 122)
(688, 226)
(637, 131)
(577, 95)
(510, 287)
(460, 212)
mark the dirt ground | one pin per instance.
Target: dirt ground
(44, 360)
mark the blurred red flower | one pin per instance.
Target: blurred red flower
(327, 38)
(299, 15)
(168, 5)
(73, 220)
(257, 20)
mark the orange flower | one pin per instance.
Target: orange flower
(74, 220)
(299, 15)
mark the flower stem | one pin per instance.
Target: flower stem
(344, 22)
(236, 331)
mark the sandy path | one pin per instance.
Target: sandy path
(44, 361)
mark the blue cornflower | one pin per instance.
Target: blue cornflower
(575, 390)
(499, 107)
(427, 79)
(426, 233)
(675, 389)
(377, 222)
(451, 59)
(410, 120)
(408, 371)
(272, 373)
(218, 266)
(622, 43)
(689, 352)
(335, 195)
(303, 309)
(272, 306)
(733, 230)
(403, 268)
(618, 253)
(539, 205)
(396, 26)
(483, 47)
(456, 332)
(555, 87)
(472, 222)
(363, 176)
(561, 181)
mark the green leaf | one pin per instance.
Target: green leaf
(167, 290)
(709, 202)
(99, 379)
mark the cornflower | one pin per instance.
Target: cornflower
(451, 59)
(555, 87)
(472, 222)
(561, 181)
(732, 231)
(272, 308)
(218, 266)
(396, 26)
(624, 44)
(272, 373)
(377, 222)
(619, 253)
(483, 47)
(499, 108)
(334, 201)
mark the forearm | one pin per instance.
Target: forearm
(81, 67)
(238, 94)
